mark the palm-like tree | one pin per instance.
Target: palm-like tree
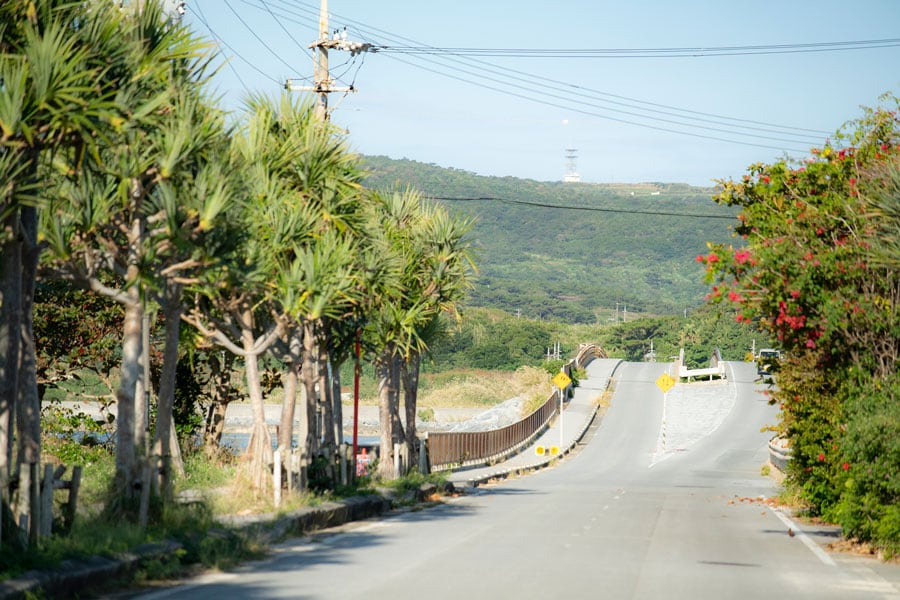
(436, 268)
(53, 60)
(119, 209)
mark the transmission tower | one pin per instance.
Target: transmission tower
(571, 175)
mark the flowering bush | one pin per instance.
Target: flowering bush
(817, 269)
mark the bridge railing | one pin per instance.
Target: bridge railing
(447, 450)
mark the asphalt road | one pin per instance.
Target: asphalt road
(649, 508)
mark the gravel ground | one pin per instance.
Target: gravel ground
(239, 417)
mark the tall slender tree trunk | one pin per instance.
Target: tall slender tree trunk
(387, 395)
(397, 432)
(222, 392)
(410, 373)
(28, 420)
(291, 381)
(163, 444)
(10, 344)
(337, 402)
(143, 390)
(325, 400)
(259, 450)
(309, 376)
(127, 456)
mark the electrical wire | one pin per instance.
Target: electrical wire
(259, 39)
(221, 42)
(672, 118)
(657, 213)
(585, 92)
(696, 52)
(313, 24)
(303, 48)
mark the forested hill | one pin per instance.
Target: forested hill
(621, 243)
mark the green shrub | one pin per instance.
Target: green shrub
(869, 509)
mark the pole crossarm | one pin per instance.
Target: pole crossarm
(350, 46)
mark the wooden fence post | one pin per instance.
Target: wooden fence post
(277, 478)
(72, 505)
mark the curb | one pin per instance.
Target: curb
(75, 577)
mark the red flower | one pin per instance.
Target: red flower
(845, 466)
(741, 256)
(821, 457)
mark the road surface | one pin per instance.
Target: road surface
(650, 508)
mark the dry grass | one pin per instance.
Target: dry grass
(468, 389)
(239, 497)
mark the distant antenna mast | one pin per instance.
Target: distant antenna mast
(323, 84)
(571, 175)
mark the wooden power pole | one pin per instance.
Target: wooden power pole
(322, 82)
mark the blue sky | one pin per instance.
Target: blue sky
(691, 119)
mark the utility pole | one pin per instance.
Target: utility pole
(322, 82)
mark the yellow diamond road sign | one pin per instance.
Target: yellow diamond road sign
(665, 382)
(561, 380)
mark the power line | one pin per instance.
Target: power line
(219, 42)
(222, 42)
(259, 39)
(534, 80)
(658, 213)
(634, 111)
(690, 52)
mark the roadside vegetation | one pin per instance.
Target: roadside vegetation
(166, 259)
(817, 267)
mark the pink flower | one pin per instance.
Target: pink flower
(741, 256)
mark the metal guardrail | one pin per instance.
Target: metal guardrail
(779, 453)
(447, 450)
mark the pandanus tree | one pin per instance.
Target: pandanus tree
(118, 209)
(436, 263)
(442, 271)
(55, 65)
(295, 260)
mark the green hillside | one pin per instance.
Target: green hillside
(575, 264)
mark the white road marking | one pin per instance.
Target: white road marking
(798, 533)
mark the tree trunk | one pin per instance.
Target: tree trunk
(163, 445)
(127, 457)
(386, 398)
(338, 406)
(259, 450)
(222, 393)
(291, 379)
(410, 401)
(396, 423)
(325, 401)
(308, 375)
(143, 391)
(28, 420)
(10, 325)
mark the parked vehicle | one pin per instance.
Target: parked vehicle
(765, 359)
